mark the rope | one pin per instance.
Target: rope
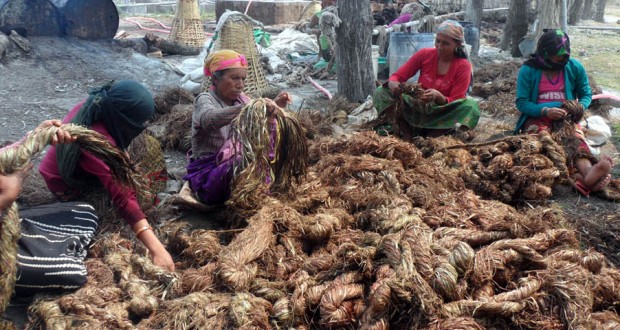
(16, 159)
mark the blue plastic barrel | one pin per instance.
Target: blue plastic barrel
(472, 35)
(404, 44)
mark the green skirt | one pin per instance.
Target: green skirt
(462, 112)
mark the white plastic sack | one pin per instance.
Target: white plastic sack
(192, 87)
(291, 40)
(596, 130)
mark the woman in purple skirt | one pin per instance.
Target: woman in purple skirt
(210, 168)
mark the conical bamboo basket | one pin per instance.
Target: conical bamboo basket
(187, 28)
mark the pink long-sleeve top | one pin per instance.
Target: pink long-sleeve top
(453, 85)
(88, 165)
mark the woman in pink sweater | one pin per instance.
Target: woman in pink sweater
(118, 111)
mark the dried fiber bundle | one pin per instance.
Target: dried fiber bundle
(168, 281)
(337, 306)
(166, 100)
(174, 128)
(563, 132)
(249, 311)
(199, 310)
(95, 304)
(527, 287)
(567, 283)
(199, 280)
(605, 320)
(460, 323)
(476, 308)
(16, 159)
(605, 287)
(45, 313)
(237, 260)
(393, 115)
(256, 170)
(203, 246)
(142, 302)
(462, 258)
(474, 238)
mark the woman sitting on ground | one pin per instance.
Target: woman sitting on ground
(546, 80)
(442, 107)
(209, 172)
(118, 111)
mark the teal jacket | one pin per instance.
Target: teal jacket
(576, 84)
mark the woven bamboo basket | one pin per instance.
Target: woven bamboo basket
(187, 28)
(237, 34)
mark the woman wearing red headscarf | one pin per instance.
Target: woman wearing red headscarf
(209, 171)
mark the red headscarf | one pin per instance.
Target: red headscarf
(222, 60)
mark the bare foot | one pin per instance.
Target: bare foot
(602, 183)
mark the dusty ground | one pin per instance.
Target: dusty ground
(45, 82)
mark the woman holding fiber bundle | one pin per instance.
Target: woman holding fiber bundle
(210, 168)
(546, 81)
(117, 110)
(441, 106)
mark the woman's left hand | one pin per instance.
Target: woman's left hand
(283, 99)
(433, 95)
(272, 108)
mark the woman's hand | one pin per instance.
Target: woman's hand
(283, 99)
(272, 108)
(163, 259)
(434, 96)
(11, 186)
(554, 113)
(395, 88)
(160, 256)
(61, 136)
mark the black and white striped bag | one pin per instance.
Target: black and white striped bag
(53, 246)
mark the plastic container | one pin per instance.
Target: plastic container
(404, 44)
(472, 35)
(375, 60)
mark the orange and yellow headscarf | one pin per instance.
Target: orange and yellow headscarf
(222, 60)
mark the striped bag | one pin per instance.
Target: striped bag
(53, 246)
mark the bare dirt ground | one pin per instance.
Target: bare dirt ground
(45, 82)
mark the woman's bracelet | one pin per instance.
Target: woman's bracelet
(544, 111)
(143, 228)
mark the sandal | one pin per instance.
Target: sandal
(581, 188)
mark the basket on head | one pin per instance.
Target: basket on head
(237, 34)
(187, 28)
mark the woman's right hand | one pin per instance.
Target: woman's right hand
(61, 135)
(555, 113)
(163, 259)
(395, 88)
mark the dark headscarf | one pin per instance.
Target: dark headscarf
(122, 106)
(552, 42)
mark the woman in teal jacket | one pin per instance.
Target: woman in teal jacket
(547, 79)
(542, 69)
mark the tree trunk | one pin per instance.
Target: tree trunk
(548, 16)
(353, 56)
(600, 11)
(516, 26)
(586, 13)
(575, 12)
(473, 13)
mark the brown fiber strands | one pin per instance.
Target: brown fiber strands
(380, 234)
